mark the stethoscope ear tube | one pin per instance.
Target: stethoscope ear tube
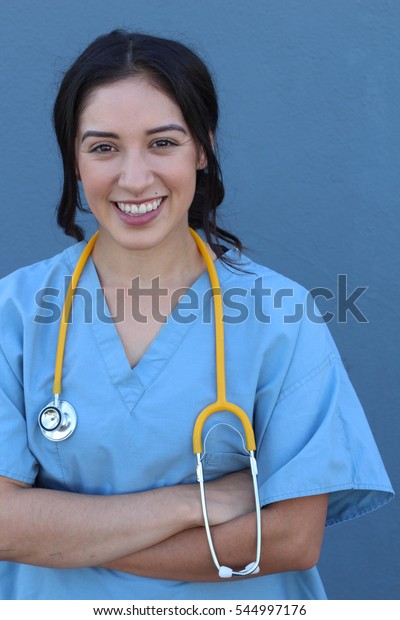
(224, 571)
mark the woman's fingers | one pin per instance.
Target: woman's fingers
(230, 497)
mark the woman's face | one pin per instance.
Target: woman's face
(137, 162)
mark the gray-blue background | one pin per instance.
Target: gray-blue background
(310, 135)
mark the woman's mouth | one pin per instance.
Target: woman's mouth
(139, 214)
(139, 209)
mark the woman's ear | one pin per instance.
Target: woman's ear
(202, 162)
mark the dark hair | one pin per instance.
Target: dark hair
(182, 75)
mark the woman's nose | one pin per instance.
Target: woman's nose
(135, 175)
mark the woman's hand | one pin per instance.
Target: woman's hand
(230, 497)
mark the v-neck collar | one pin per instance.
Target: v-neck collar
(132, 383)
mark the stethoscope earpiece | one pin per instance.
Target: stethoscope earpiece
(225, 572)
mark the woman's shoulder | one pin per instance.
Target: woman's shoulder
(41, 271)
(243, 271)
(272, 303)
(19, 289)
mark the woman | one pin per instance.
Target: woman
(113, 511)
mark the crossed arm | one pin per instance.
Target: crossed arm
(157, 533)
(292, 532)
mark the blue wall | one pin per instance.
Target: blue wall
(309, 139)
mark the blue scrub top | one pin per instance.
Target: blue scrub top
(135, 425)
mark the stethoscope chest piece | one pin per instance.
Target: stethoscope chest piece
(57, 421)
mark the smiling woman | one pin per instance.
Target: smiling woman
(177, 73)
(112, 510)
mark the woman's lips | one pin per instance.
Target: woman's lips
(135, 214)
(141, 208)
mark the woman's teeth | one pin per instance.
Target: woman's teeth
(144, 207)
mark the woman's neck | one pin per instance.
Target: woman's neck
(175, 262)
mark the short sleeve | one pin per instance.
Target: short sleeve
(16, 460)
(317, 439)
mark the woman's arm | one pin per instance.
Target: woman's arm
(292, 532)
(65, 530)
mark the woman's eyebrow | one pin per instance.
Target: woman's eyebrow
(91, 133)
(162, 128)
(99, 134)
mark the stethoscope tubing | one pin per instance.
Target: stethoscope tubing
(66, 311)
(223, 405)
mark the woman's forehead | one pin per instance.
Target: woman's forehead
(133, 98)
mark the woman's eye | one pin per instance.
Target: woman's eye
(163, 143)
(102, 148)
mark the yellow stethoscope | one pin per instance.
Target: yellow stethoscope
(58, 419)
